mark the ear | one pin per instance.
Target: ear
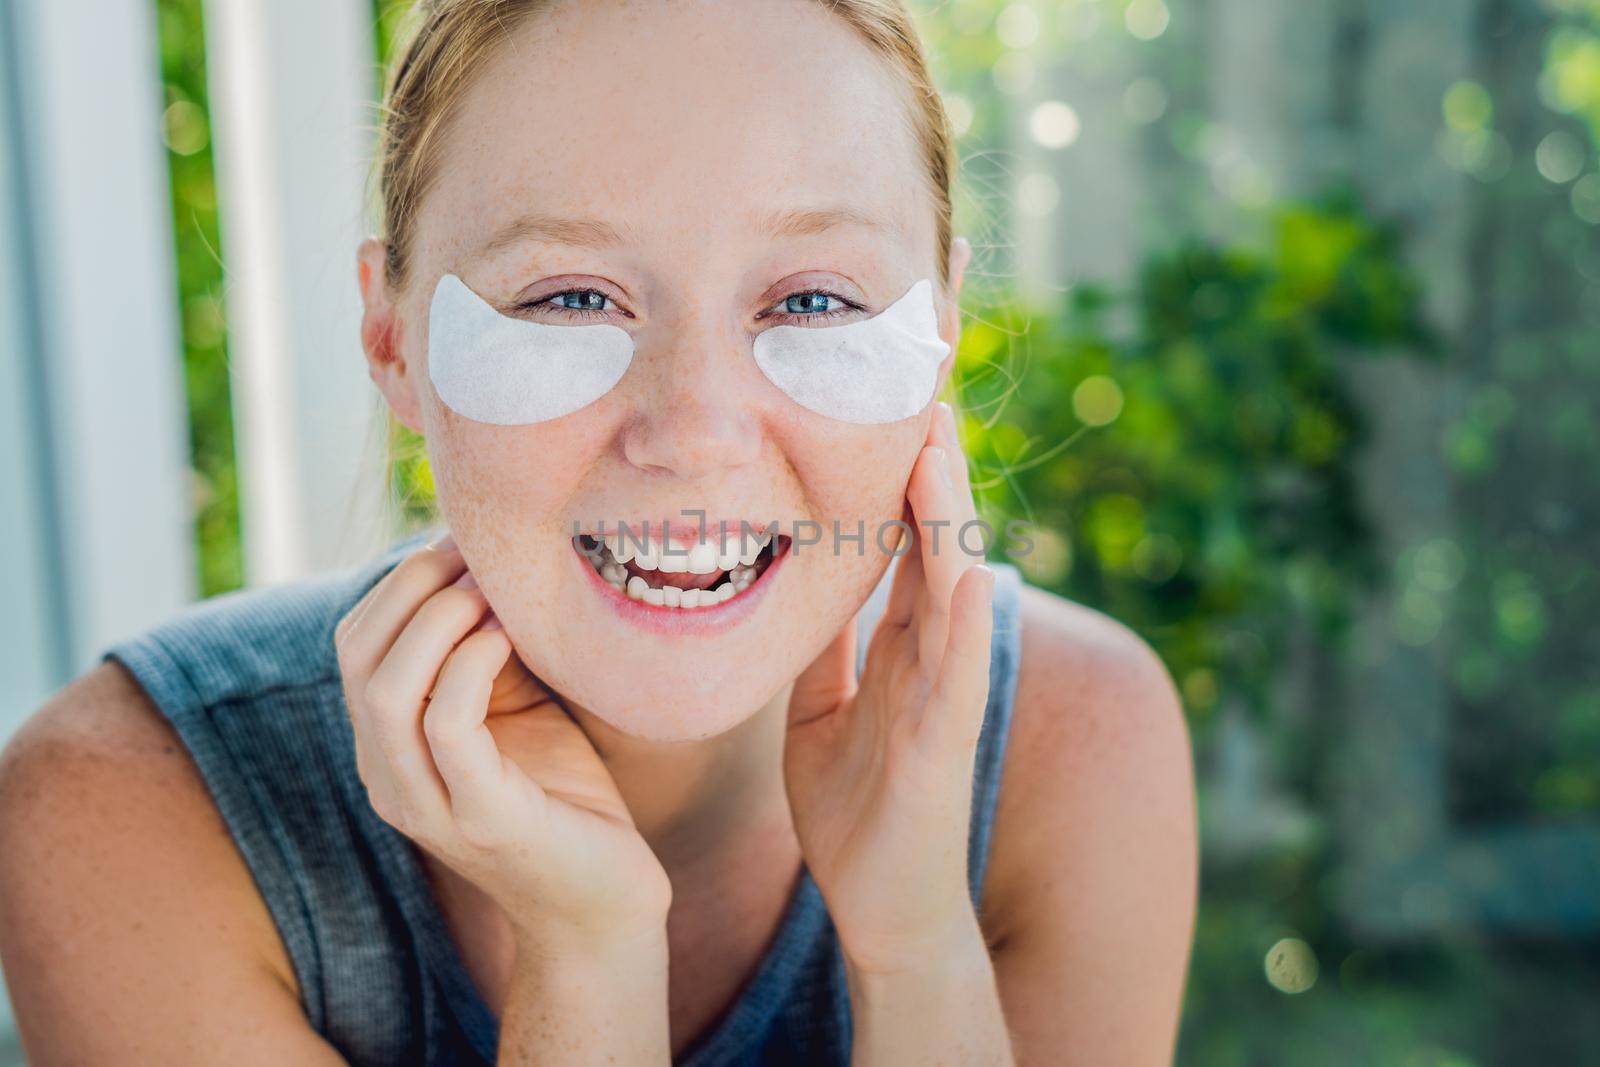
(381, 335)
(950, 324)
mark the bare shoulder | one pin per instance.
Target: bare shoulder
(1093, 865)
(123, 900)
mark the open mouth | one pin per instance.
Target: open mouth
(699, 575)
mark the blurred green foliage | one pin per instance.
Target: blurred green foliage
(1512, 593)
(186, 132)
(1571, 76)
(1194, 478)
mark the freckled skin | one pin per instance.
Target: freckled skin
(718, 121)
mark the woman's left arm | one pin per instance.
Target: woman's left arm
(944, 1011)
(1090, 893)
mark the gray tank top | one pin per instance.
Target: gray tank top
(250, 683)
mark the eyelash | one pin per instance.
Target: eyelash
(590, 313)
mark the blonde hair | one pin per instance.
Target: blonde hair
(449, 41)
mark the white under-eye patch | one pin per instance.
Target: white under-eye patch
(494, 368)
(881, 369)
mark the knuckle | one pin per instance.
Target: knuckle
(405, 817)
(350, 622)
(347, 622)
(343, 642)
(348, 672)
(478, 832)
(437, 729)
(376, 693)
(423, 569)
(363, 765)
(386, 731)
(387, 808)
(453, 607)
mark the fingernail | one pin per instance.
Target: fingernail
(942, 461)
(947, 413)
(443, 543)
(467, 581)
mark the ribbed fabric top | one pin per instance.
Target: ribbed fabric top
(250, 683)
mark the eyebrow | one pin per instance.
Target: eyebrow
(554, 229)
(812, 221)
(597, 233)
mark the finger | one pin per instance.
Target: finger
(515, 687)
(390, 705)
(953, 718)
(352, 618)
(941, 428)
(402, 782)
(951, 438)
(353, 683)
(828, 681)
(944, 434)
(392, 603)
(937, 496)
(412, 665)
(459, 740)
(930, 499)
(906, 588)
(945, 495)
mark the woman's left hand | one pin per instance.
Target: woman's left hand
(879, 772)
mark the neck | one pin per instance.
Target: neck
(694, 800)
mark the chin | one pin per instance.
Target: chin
(667, 703)
(676, 644)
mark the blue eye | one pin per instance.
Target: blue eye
(801, 303)
(815, 304)
(574, 303)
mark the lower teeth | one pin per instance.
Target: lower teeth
(638, 589)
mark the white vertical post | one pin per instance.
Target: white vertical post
(112, 501)
(291, 84)
(32, 629)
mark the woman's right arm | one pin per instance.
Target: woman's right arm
(131, 930)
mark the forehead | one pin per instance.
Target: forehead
(677, 119)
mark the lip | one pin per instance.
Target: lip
(704, 621)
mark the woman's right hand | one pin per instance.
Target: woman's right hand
(464, 751)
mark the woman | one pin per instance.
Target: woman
(478, 799)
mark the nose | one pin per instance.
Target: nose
(696, 415)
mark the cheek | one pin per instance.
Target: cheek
(860, 472)
(507, 476)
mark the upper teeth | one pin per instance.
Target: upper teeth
(703, 557)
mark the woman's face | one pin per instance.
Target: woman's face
(697, 166)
